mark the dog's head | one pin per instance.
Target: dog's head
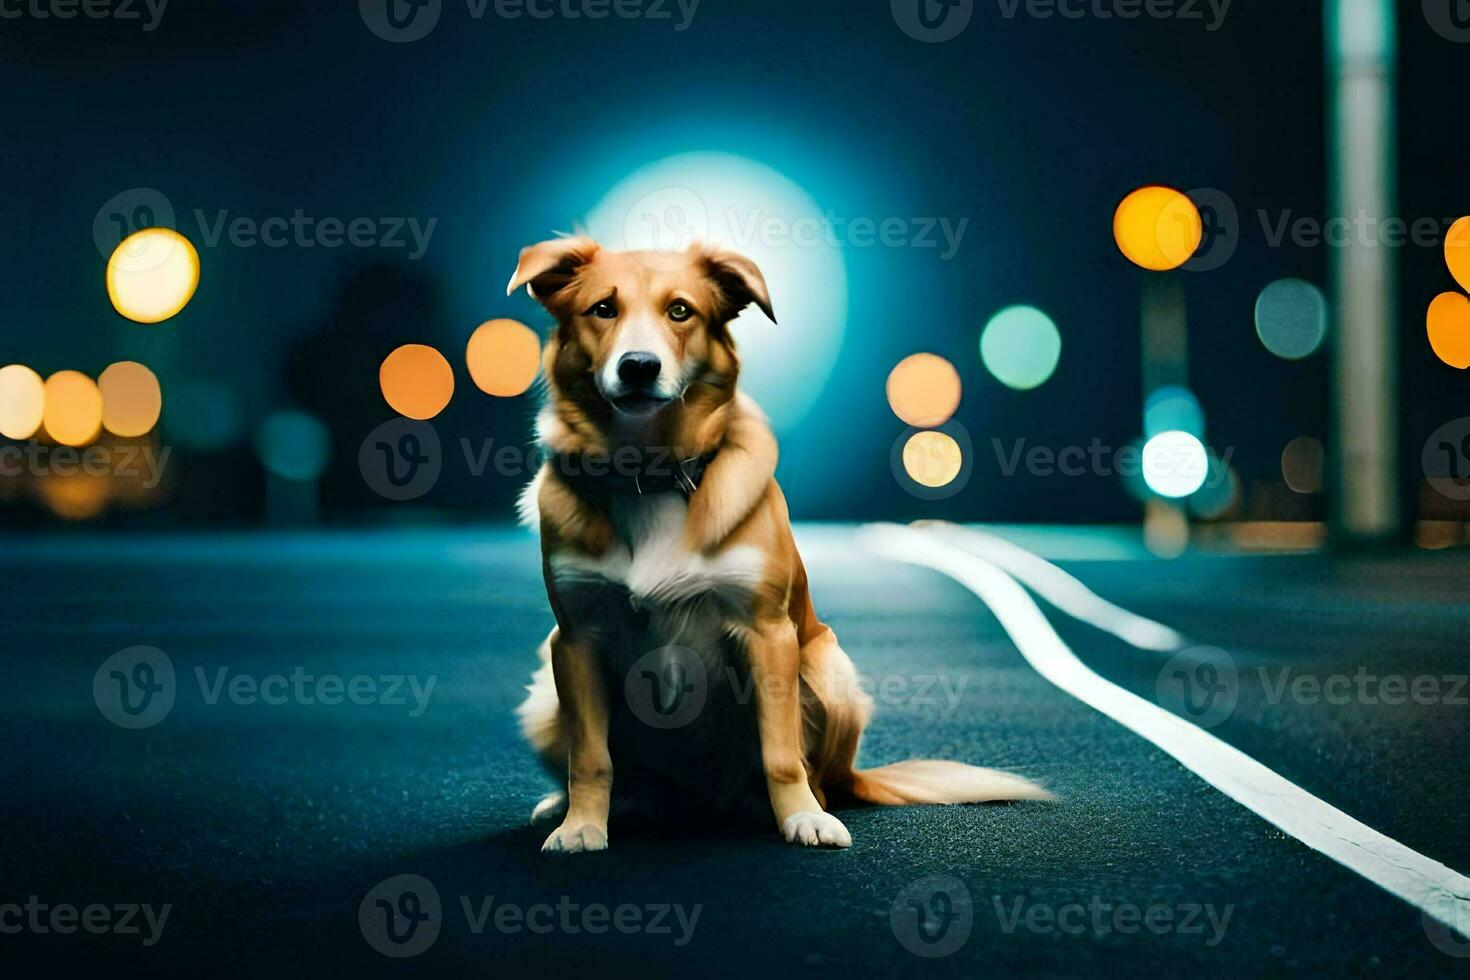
(638, 328)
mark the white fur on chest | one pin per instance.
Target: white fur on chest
(652, 562)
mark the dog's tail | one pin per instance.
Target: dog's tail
(936, 781)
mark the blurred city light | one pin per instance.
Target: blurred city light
(1158, 228)
(1175, 464)
(1173, 408)
(1219, 493)
(1303, 464)
(22, 401)
(735, 202)
(1291, 318)
(417, 381)
(924, 390)
(78, 496)
(152, 275)
(1457, 252)
(1021, 347)
(1165, 529)
(131, 399)
(203, 416)
(503, 357)
(1449, 329)
(293, 445)
(932, 459)
(73, 415)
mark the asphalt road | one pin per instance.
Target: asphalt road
(265, 828)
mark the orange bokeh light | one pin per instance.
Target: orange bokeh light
(1158, 228)
(131, 399)
(417, 381)
(503, 357)
(73, 408)
(1449, 329)
(924, 390)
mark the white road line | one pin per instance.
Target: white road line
(1062, 590)
(1442, 893)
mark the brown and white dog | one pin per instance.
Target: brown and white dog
(665, 536)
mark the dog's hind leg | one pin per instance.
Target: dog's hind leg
(834, 712)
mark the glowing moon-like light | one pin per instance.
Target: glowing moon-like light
(736, 203)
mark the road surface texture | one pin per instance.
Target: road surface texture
(305, 764)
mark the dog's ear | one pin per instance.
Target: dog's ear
(549, 266)
(740, 280)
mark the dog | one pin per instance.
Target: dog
(669, 560)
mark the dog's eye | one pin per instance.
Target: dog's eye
(679, 312)
(606, 310)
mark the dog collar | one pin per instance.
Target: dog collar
(602, 475)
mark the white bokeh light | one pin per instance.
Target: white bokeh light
(1175, 464)
(736, 203)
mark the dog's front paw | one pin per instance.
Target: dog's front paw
(813, 828)
(575, 840)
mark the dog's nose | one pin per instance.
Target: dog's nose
(639, 369)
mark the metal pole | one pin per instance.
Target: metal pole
(1362, 80)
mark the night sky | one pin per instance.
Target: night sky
(504, 131)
